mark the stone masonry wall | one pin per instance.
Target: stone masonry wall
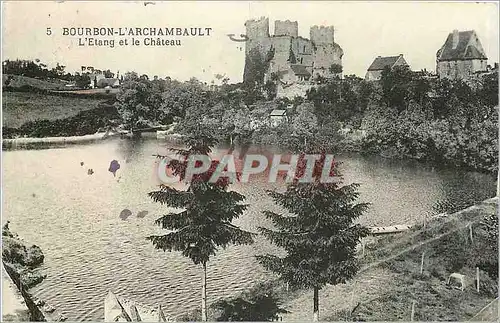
(459, 69)
(286, 28)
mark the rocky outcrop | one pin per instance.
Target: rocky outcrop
(21, 266)
(23, 260)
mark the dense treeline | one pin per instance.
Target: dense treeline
(404, 115)
(37, 69)
(34, 69)
(411, 116)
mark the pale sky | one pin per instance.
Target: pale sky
(364, 30)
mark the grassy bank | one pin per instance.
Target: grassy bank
(390, 278)
(18, 81)
(19, 108)
(82, 123)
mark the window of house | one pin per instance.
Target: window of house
(304, 49)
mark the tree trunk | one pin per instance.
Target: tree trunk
(204, 293)
(316, 305)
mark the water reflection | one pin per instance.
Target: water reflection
(89, 249)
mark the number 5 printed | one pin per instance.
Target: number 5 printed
(49, 31)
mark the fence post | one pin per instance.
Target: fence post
(477, 279)
(422, 263)
(363, 248)
(412, 311)
(470, 233)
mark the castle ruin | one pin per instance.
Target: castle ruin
(286, 55)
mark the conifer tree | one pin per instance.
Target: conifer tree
(209, 208)
(320, 234)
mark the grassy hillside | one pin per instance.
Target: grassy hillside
(19, 108)
(390, 279)
(18, 81)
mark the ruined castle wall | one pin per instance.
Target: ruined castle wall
(318, 53)
(460, 69)
(297, 89)
(281, 45)
(257, 32)
(303, 50)
(322, 35)
(286, 28)
(327, 52)
(256, 47)
(325, 56)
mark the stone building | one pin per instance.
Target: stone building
(374, 72)
(286, 55)
(461, 56)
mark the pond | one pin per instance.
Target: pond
(93, 228)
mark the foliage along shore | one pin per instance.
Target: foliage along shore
(406, 115)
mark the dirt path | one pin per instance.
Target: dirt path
(333, 299)
(371, 281)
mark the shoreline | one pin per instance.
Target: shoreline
(28, 143)
(36, 143)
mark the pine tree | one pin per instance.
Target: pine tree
(320, 236)
(209, 208)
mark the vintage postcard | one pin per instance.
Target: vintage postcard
(250, 161)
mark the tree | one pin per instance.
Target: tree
(108, 74)
(209, 208)
(82, 81)
(335, 69)
(395, 86)
(319, 236)
(138, 102)
(305, 123)
(257, 305)
(271, 89)
(236, 123)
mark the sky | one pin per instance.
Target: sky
(364, 30)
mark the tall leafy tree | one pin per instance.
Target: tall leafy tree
(138, 102)
(205, 223)
(320, 234)
(305, 123)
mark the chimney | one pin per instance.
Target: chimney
(455, 39)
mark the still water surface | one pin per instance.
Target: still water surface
(52, 202)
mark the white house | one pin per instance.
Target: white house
(277, 116)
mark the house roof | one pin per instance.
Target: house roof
(277, 113)
(464, 49)
(300, 70)
(382, 62)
